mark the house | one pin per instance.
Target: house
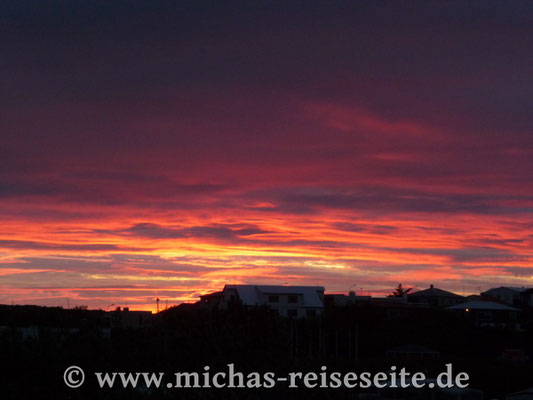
(342, 300)
(507, 294)
(397, 308)
(288, 301)
(435, 297)
(211, 300)
(488, 314)
(124, 318)
(526, 298)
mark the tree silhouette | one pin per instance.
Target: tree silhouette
(400, 291)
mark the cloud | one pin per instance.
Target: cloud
(364, 228)
(33, 245)
(219, 232)
(329, 143)
(391, 199)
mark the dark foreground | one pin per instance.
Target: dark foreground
(38, 344)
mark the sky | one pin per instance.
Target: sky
(164, 149)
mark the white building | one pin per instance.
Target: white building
(289, 301)
(507, 294)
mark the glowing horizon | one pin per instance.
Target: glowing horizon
(367, 146)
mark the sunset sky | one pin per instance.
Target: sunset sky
(163, 149)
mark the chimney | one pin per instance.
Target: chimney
(431, 286)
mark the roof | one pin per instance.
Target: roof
(511, 288)
(526, 394)
(482, 305)
(254, 294)
(433, 292)
(212, 294)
